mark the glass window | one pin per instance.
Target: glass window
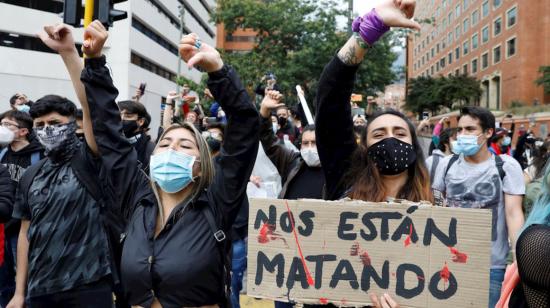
(437, 11)
(437, 48)
(457, 11)
(465, 48)
(442, 62)
(497, 3)
(485, 34)
(465, 4)
(511, 47)
(511, 16)
(457, 53)
(444, 3)
(450, 57)
(465, 69)
(485, 8)
(450, 38)
(443, 44)
(474, 66)
(496, 54)
(457, 72)
(484, 61)
(433, 52)
(457, 32)
(475, 17)
(466, 25)
(444, 23)
(475, 41)
(432, 70)
(437, 66)
(497, 26)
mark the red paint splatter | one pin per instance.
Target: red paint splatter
(408, 239)
(323, 301)
(445, 274)
(308, 273)
(354, 251)
(420, 278)
(344, 301)
(365, 258)
(393, 274)
(264, 232)
(458, 257)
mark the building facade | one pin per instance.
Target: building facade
(141, 48)
(242, 40)
(502, 43)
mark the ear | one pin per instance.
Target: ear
(489, 133)
(23, 132)
(140, 122)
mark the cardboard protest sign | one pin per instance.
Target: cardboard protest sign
(313, 251)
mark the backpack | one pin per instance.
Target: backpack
(113, 223)
(498, 162)
(35, 156)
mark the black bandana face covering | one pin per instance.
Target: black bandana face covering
(392, 156)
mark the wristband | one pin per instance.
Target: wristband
(370, 27)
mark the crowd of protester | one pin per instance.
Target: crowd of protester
(97, 212)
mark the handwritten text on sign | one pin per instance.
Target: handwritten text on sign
(314, 251)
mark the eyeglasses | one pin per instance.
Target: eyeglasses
(8, 125)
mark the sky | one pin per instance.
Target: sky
(363, 6)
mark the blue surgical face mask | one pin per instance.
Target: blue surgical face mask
(466, 144)
(171, 170)
(23, 108)
(507, 141)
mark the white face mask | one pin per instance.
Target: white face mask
(311, 157)
(275, 127)
(6, 136)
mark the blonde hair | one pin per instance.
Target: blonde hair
(206, 164)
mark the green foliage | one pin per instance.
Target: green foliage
(516, 104)
(544, 79)
(296, 39)
(428, 93)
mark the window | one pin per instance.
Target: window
(423, 44)
(466, 25)
(474, 66)
(497, 26)
(152, 67)
(442, 62)
(437, 66)
(475, 17)
(51, 6)
(465, 4)
(511, 47)
(444, 3)
(475, 41)
(457, 32)
(437, 48)
(497, 3)
(450, 58)
(496, 55)
(457, 72)
(485, 34)
(444, 23)
(422, 60)
(432, 70)
(433, 52)
(465, 69)
(457, 53)
(457, 11)
(450, 18)
(443, 44)
(485, 8)
(136, 24)
(415, 66)
(437, 11)
(450, 38)
(20, 41)
(484, 61)
(465, 48)
(511, 17)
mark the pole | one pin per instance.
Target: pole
(182, 14)
(88, 12)
(350, 17)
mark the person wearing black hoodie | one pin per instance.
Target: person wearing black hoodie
(134, 125)
(17, 156)
(7, 192)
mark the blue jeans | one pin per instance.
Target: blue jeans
(7, 271)
(238, 266)
(496, 278)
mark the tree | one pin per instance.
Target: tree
(296, 39)
(544, 79)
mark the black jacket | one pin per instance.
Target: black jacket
(287, 162)
(334, 125)
(144, 148)
(181, 266)
(7, 194)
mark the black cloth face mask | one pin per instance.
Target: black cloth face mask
(129, 127)
(392, 156)
(282, 121)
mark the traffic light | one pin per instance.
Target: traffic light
(73, 12)
(105, 12)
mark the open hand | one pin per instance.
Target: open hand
(59, 38)
(95, 36)
(398, 13)
(197, 53)
(385, 301)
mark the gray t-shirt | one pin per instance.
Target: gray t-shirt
(478, 186)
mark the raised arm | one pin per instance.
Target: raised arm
(240, 146)
(279, 154)
(59, 38)
(334, 126)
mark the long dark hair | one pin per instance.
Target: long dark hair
(366, 181)
(540, 158)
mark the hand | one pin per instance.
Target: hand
(256, 180)
(95, 36)
(59, 38)
(208, 94)
(172, 95)
(272, 100)
(443, 120)
(398, 13)
(205, 57)
(17, 301)
(385, 301)
(189, 99)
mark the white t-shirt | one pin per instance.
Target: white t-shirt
(478, 186)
